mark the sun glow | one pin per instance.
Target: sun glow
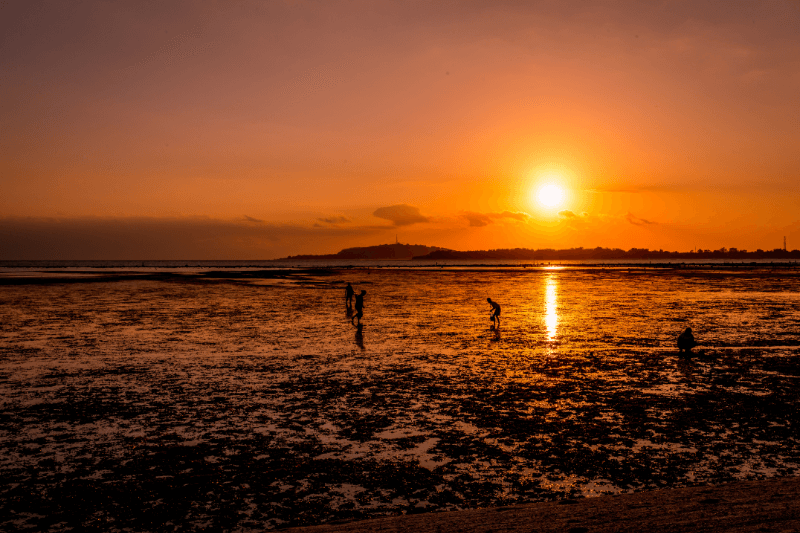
(550, 195)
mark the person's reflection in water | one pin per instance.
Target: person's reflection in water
(686, 366)
(360, 336)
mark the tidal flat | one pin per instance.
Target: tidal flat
(246, 400)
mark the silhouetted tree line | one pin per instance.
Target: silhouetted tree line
(422, 252)
(599, 253)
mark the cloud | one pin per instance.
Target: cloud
(251, 219)
(516, 215)
(334, 220)
(401, 214)
(585, 220)
(581, 221)
(479, 220)
(612, 190)
(636, 221)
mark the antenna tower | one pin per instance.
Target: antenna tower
(784, 243)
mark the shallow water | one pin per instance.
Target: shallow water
(195, 401)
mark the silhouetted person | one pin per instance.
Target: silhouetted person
(348, 295)
(686, 341)
(495, 316)
(359, 306)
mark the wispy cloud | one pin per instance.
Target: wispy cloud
(582, 220)
(629, 190)
(636, 221)
(334, 220)
(477, 219)
(401, 214)
(484, 219)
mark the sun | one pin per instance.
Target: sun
(550, 195)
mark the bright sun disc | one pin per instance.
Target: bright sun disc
(550, 195)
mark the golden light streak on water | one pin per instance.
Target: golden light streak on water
(551, 307)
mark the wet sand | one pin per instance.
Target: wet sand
(248, 401)
(764, 506)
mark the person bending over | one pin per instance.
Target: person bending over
(495, 316)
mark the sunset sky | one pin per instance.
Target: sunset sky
(255, 130)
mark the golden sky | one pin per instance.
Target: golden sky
(259, 129)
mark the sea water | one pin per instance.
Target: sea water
(246, 398)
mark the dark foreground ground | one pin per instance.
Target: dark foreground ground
(197, 403)
(772, 505)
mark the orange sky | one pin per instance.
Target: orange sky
(255, 130)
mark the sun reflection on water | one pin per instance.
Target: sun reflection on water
(550, 307)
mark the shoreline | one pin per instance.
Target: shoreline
(392, 264)
(762, 505)
(46, 275)
(467, 266)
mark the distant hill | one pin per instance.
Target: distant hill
(380, 252)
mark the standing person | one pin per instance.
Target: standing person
(348, 295)
(359, 306)
(495, 311)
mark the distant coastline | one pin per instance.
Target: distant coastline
(417, 255)
(418, 252)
